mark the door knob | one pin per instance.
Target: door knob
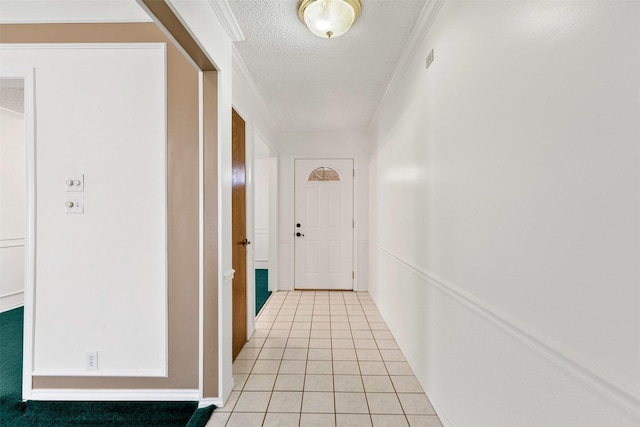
(299, 234)
(245, 242)
(298, 225)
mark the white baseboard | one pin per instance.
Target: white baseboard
(225, 394)
(261, 264)
(11, 301)
(208, 402)
(159, 395)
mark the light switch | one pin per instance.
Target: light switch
(74, 183)
(74, 204)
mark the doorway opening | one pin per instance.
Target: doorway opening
(17, 222)
(264, 221)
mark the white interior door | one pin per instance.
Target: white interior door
(323, 224)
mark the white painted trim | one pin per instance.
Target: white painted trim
(129, 373)
(218, 401)
(27, 74)
(437, 407)
(177, 395)
(262, 261)
(208, 402)
(615, 389)
(425, 21)
(249, 221)
(30, 237)
(273, 206)
(356, 219)
(292, 208)
(11, 301)
(285, 244)
(201, 234)
(14, 114)
(12, 237)
(228, 276)
(165, 194)
(77, 21)
(222, 281)
(92, 46)
(223, 11)
(227, 392)
(8, 242)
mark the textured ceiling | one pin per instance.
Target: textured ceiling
(313, 84)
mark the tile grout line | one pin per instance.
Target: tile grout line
(336, 307)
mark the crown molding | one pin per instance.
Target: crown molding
(426, 19)
(240, 67)
(228, 20)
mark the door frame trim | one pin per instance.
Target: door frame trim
(292, 209)
(27, 74)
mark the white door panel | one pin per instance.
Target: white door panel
(324, 210)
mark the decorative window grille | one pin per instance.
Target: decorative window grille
(324, 174)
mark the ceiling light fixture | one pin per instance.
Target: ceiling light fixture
(329, 18)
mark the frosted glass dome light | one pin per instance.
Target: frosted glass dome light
(329, 18)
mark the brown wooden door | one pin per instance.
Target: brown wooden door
(239, 232)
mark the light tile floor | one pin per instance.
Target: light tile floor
(320, 358)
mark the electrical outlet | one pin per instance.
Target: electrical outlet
(91, 360)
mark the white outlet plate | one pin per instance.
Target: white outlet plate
(74, 204)
(74, 183)
(91, 360)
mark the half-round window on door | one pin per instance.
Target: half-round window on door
(324, 174)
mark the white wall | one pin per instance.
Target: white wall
(505, 213)
(318, 145)
(274, 272)
(12, 209)
(112, 258)
(261, 205)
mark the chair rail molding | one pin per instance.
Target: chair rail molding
(11, 241)
(615, 389)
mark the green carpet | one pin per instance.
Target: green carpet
(201, 416)
(77, 414)
(133, 414)
(11, 407)
(262, 288)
